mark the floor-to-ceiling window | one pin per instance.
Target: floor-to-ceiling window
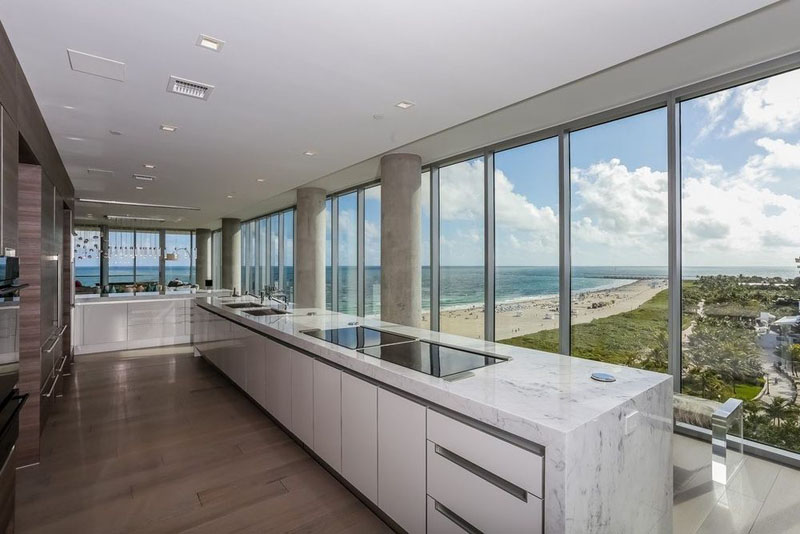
(216, 259)
(179, 256)
(740, 169)
(461, 248)
(618, 189)
(372, 251)
(425, 244)
(148, 257)
(526, 198)
(328, 250)
(121, 253)
(86, 254)
(347, 247)
(273, 273)
(261, 260)
(288, 253)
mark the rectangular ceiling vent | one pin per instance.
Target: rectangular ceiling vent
(144, 177)
(180, 86)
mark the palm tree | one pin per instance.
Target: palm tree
(780, 410)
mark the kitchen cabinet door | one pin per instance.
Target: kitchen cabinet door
(328, 414)
(279, 382)
(360, 435)
(105, 323)
(256, 370)
(401, 460)
(303, 398)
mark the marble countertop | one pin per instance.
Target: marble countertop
(538, 396)
(94, 298)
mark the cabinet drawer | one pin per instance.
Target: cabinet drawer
(439, 523)
(476, 500)
(515, 464)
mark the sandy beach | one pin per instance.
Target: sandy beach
(528, 316)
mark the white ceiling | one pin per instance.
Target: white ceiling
(304, 75)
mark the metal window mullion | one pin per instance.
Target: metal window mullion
(435, 234)
(674, 238)
(360, 274)
(134, 256)
(565, 259)
(335, 254)
(489, 246)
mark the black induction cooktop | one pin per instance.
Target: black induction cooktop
(432, 359)
(357, 337)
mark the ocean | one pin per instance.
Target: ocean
(463, 286)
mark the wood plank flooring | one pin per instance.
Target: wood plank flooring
(155, 440)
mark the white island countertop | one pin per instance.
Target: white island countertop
(611, 441)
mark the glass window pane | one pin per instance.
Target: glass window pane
(288, 254)
(178, 256)
(261, 263)
(87, 258)
(526, 245)
(740, 213)
(216, 259)
(425, 246)
(148, 255)
(461, 248)
(347, 254)
(372, 251)
(619, 241)
(274, 250)
(120, 257)
(328, 268)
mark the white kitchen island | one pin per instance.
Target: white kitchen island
(120, 321)
(528, 445)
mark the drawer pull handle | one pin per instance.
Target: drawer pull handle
(449, 514)
(52, 388)
(488, 476)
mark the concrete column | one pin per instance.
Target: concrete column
(309, 248)
(401, 271)
(202, 240)
(232, 254)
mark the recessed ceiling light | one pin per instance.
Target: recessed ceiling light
(68, 107)
(75, 138)
(88, 214)
(378, 116)
(144, 177)
(115, 132)
(139, 187)
(168, 128)
(230, 196)
(309, 153)
(211, 43)
(149, 166)
(260, 180)
(404, 104)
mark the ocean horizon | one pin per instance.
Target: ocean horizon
(463, 286)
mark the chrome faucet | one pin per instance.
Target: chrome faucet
(274, 294)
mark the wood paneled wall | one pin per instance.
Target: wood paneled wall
(30, 267)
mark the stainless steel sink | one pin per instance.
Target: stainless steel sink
(266, 311)
(238, 305)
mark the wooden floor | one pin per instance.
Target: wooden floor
(157, 441)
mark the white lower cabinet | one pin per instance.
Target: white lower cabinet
(401, 460)
(279, 381)
(440, 521)
(360, 435)
(480, 480)
(328, 414)
(256, 377)
(303, 398)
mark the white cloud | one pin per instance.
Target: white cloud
(771, 105)
(714, 105)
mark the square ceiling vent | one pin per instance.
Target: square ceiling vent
(96, 65)
(181, 86)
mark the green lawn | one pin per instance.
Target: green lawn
(621, 338)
